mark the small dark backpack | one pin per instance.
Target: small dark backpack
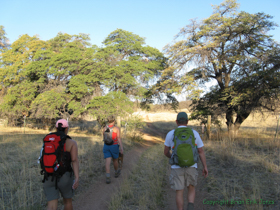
(107, 136)
(53, 159)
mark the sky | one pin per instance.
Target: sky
(156, 20)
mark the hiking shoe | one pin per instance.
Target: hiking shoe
(108, 180)
(117, 173)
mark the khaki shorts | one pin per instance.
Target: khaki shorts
(181, 177)
(64, 186)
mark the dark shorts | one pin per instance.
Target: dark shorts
(64, 186)
(111, 151)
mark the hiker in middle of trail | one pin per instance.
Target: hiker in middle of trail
(186, 146)
(112, 147)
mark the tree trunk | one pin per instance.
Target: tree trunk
(230, 123)
(229, 117)
(240, 119)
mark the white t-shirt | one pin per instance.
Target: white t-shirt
(169, 143)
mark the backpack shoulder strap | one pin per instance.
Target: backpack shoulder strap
(173, 135)
(193, 133)
(47, 135)
(111, 127)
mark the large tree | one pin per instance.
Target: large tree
(234, 49)
(19, 85)
(130, 64)
(126, 65)
(66, 75)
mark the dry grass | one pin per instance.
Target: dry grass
(143, 188)
(242, 168)
(21, 186)
(245, 166)
(254, 152)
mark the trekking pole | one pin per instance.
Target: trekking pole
(276, 129)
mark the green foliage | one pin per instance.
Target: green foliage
(16, 60)
(66, 75)
(18, 99)
(50, 104)
(234, 49)
(114, 103)
(4, 41)
(130, 64)
(134, 123)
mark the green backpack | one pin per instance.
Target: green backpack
(184, 151)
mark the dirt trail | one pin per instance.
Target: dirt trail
(200, 193)
(99, 194)
(97, 197)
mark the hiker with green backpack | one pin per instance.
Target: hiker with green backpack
(186, 146)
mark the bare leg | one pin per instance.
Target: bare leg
(180, 199)
(116, 164)
(107, 164)
(52, 205)
(191, 194)
(67, 203)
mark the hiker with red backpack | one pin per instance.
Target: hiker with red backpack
(60, 166)
(186, 146)
(112, 147)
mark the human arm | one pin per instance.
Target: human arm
(168, 143)
(167, 151)
(75, 163)
(203, 160)
(104, 129)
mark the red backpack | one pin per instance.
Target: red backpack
(53, 159)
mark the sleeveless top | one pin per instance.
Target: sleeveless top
(114, 136)
(67, 159)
